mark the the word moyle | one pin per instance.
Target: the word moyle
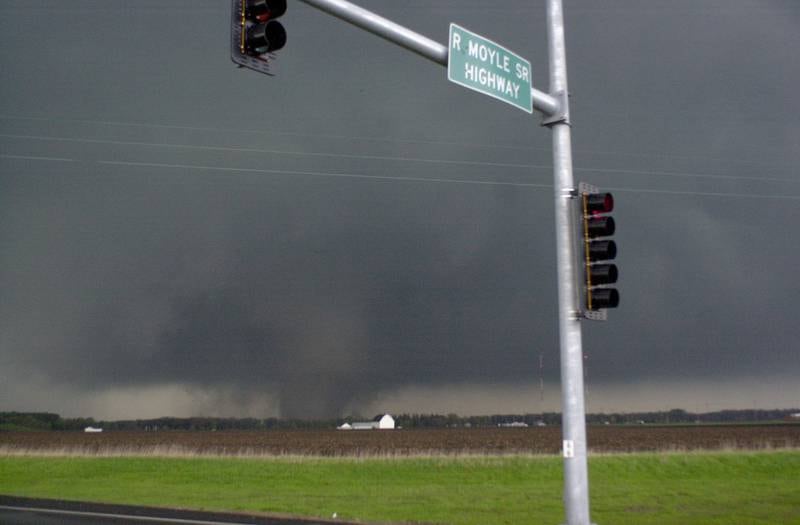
(492, 56)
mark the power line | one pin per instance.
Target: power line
(687, 174)
(365, 176)
(482, 145)
(612, 171)
(276, 151)
(323, 174)
(31, 157)
(274, 132)
(433, 180)
(704, 193)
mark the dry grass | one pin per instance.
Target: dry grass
(176, 451)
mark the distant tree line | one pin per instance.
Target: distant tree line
(454, 420)
(49, 421)
(675, 416)
(216, 423)
(44, 421)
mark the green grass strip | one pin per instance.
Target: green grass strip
(742, 488)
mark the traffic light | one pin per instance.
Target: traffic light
(255, 32)
(598, 250)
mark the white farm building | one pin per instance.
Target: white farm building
(384, 422)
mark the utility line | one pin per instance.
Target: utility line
(433, 180)
(275, 151)
(323, 174)
(32, 157)
(273, 132)
(391, 140)
(624, 171)
(365, 176)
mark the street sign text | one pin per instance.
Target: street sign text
(482, 65)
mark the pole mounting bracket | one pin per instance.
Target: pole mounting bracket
(561, 116)
(576, 315)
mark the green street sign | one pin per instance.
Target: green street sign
(480, 64)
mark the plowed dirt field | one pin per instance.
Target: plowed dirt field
(538, 440)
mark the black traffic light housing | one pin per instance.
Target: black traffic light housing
(255, 32)
(597, 226)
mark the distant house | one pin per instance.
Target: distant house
(384, 422)
(92, 429)
(513, 424)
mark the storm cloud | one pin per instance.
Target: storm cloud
(358, 234)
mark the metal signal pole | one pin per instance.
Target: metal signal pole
(555, 108)
(576, 479)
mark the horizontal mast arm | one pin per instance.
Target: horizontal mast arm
(404, 37)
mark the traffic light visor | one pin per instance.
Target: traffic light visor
(602, 250)
(603, 274)
(604, 298)
(600, 227)
(265, 38)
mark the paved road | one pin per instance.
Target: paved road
(13, 516)
(30, 511)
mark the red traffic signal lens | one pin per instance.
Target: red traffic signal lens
(263, 10)
(599, 203)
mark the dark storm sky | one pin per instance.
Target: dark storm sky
(358, 234)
